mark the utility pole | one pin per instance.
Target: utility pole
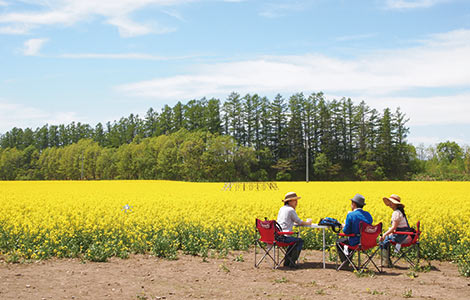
(306, 158)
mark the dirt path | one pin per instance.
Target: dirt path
(147, 277)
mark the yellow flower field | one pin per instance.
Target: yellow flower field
(87, 219)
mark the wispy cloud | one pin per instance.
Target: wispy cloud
(15, 29)
(281, 8)
(175, 14)
(128, 28)
(33, 46)
(441, 61)
(434, 140)
(69, 12)
(444, 110)
(12, 114)
(347, 38)
(3, 3)
(410, 4)
(138, 56)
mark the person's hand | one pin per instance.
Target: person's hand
(309, 221)
(381, 239)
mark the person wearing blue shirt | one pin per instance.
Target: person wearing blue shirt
(351, 226)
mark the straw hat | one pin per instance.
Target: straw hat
(290, 196)
(395, 199)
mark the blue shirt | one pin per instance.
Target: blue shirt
(352, 224)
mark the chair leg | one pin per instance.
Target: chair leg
(359, 259)
(255, 251)
(350, 260)
(370, 259)
(403, 254)
(286, 254)
(336, 260)
(417, 252)
(267, 253)
(275, 261)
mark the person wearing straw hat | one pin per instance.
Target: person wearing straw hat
(286, 218)
(399, 223)
(352, 224)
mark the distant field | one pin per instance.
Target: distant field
(87, 219)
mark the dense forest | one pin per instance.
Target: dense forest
(249, 138)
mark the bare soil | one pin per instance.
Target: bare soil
(231, 277)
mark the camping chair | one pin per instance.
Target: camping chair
(268, 231)
(368, 239)
(407, 247)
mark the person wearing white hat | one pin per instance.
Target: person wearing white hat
(399, 223)
(286, 218)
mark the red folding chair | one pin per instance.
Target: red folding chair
(368, 240)
(268, 230)
(409, 245)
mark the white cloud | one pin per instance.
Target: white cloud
(33, 46)
(69, 12)
(175, 14)
(139, 56)
(16, 29)
(279, 9)
(440, 61)
(433, 140)
(355, 37)
(410, 4)
(3, 3)
(422, 111)
(19, 115)
(425, 140)
(128, 28)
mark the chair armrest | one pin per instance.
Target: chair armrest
(285, 232)
(344, 234)
(404, 232)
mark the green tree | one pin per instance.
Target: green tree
(212, 116)
(279, 140)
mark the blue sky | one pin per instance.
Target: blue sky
(96, 61)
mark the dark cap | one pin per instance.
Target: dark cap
(359, 199)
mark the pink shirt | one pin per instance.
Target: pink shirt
(400, 218)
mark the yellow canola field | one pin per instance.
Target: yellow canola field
(87, 218)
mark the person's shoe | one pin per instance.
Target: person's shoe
(286, 263)
(294, 266)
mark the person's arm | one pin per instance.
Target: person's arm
(299, 221)
(390, 230)
(308, 222)
(347, 226)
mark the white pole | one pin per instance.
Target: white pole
(306, 159)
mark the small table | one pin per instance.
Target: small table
(323, 228)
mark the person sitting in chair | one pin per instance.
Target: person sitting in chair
(286, 218)
(351, 226)
(399, 223)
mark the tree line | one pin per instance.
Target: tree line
(446, 161)
(244, 138)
